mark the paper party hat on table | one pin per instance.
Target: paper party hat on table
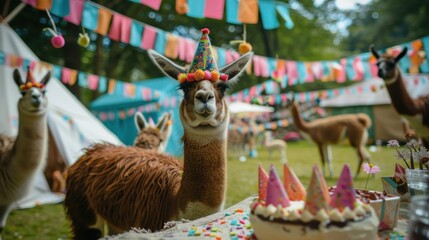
(294, 188)
(344, 193)
(276, 194)
(262, 183)
(317, 193)
(203, 66)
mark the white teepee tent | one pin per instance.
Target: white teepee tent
(72, 126)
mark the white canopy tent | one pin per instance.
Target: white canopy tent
(72, 126)
(242, 107)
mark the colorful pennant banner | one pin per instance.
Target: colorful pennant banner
(287, 72)
(85, 80)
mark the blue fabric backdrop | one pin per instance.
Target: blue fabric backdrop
(125, 128)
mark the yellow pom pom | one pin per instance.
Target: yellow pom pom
(181, 77)
(29, 85)
(244, 48)
(215, 76)
(37, 85)
(199, 75)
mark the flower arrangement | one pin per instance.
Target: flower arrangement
(370, 169)
(412, 153)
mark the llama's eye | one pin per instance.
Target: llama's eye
(211, 97)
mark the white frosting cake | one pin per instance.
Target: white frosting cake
(288, 211)
(292, 223)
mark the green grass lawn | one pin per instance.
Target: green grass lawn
(48, 221)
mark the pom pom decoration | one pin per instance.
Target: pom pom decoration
(244, 47)
(215, 75)
(199, 75)
(83, 39)
(182, 77)
(57, 40)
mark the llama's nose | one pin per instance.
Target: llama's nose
(204, 96)
(36, 99)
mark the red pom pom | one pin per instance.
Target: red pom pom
(205, 31)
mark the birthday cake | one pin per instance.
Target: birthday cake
(288, 211)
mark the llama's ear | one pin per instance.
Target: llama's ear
(163, 122)
(140, 121)
(165, 65)
(401, 55)
(17, 77)
(46, 78)
(234, 69)
(374, 52)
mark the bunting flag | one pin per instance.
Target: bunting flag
(357, 68)
(85, 80)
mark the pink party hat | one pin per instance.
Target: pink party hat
(317, 193)
(262, 184)
(294, 188)
(203, 66)
(276, 194)
(344, 194)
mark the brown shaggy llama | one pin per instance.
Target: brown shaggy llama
(22, 157)
(333, 130)
(131, 187)
(152, 136)
(414, 111)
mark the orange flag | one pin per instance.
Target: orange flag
(43, 4)
(248, 11)
(171, 46)
(104, 18)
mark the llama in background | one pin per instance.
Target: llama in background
(415, 112)
(132, 187)
(150, 136)
(272, 145)
(22, 158)
(332, 130)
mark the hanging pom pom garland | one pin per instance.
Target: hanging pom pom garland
(57, 40)
(83, 39)
(243, 46)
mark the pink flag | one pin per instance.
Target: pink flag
(30, 2)
(182, 48)
(256, 66)
(358, 67)
(190, 49)
(149, 36)
(214, 9)
(292, 72)
(92, 81)
(75, 15)
(154, 4)
(115, 27)
(65, 75)
(125, 29)
(341, 77)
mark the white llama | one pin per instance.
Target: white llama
(275, 145)
(22, 158)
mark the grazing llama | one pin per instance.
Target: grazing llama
(150, 136)
(132, 187)
(272, 145)
(332, 130)
(413, 111)
(22, 158)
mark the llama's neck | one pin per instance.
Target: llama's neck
(31, 142)
(203, 185)
(399, 96)
(298, 120)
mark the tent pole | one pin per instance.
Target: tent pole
(5, 9)
(15, 11)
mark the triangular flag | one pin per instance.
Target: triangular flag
(262, 183)
(344, 194)
(276, 194)
(317, 193)
(294, 188)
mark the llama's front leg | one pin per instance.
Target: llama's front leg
(329, 158)
(362, 155)
(4, 212)
(323, 156)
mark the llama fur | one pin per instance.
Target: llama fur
(414, 112)
(131, 187)
(332, 130)
(22, 158)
